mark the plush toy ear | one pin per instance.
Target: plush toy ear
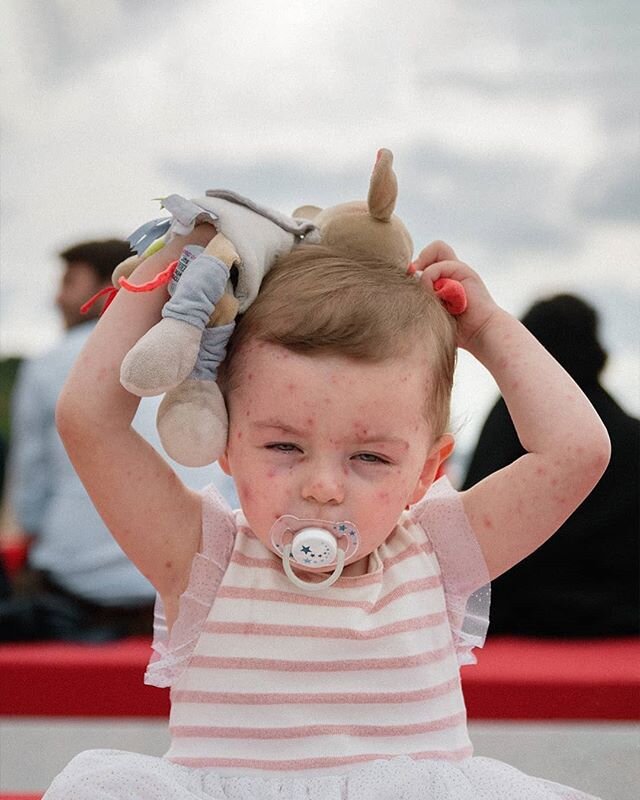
(383, 187)
(306, 212)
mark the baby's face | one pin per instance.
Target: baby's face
(322, 437)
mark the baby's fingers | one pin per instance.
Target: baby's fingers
(456, 270)
(447, 280)
(432, 254)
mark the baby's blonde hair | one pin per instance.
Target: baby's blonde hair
(315, 300)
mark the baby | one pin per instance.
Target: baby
(312, 640)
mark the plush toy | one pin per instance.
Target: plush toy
(209, 286)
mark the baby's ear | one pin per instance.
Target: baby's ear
(431, 471)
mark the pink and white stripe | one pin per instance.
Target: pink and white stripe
(284, 681)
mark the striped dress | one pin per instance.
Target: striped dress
(267, 678)
(350, 695)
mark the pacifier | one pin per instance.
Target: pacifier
(314, 544)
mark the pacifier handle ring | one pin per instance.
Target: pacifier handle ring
(306, 585)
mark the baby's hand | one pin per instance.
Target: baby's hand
(201, 235)
(437, 260)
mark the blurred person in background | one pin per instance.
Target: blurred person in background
(5, 587)
(584, 581)
(77, 583)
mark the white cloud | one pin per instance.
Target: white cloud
(495, 119)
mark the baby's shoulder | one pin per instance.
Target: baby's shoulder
(219, 525)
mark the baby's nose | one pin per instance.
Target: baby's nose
(325, 486)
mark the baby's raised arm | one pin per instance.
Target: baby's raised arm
(153, 516)
(517, 508)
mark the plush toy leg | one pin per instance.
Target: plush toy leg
(161, 359)
(167, 353)
(192, 423)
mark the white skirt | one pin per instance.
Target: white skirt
(117, 775)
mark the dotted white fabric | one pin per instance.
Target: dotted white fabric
(114, 774)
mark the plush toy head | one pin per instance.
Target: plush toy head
(368, 227)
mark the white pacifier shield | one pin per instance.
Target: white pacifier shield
(313, 544)
(314, 547)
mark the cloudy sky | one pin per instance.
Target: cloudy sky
(514, 127)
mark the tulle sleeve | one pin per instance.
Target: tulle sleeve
(464, 571)
(171, 653)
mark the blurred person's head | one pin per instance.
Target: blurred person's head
(87, 269)
(567, 327)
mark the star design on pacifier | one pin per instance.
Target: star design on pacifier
(306, 549)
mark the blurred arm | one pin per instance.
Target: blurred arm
(154, 517)
(29, 473)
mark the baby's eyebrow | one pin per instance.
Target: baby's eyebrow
(277, 425)
(285, 427)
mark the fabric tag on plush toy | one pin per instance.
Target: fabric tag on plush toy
(146, 234)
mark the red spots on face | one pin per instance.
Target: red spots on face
(168, 564)
(271, 474)
(541, 471)
(345, 470)
(383, 497)
(239, 435)
(310, 422)
(554, 481)
(486, 521)
(245, 492)
(291, 387)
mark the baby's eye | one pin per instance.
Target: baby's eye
(283, 447)
(371, 458)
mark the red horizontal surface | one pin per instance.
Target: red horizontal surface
(514, 679)
(555, 679)
(73, 680)
(20, 796)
